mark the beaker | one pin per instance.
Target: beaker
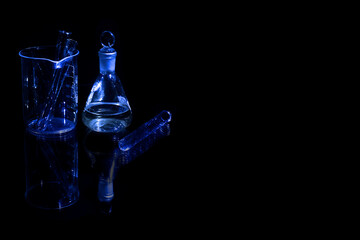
(51, 165)
(50, 90)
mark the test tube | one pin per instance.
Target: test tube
(141, 139)
(65, 48)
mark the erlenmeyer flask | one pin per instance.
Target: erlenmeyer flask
(107, 108)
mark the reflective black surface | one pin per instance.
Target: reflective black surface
(51, 166)
(110, 186)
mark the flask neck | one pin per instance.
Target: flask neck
(107, 62)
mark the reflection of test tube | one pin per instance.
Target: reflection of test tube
(140, 140)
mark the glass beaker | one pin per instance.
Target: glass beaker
(50, 90)
(51, 164)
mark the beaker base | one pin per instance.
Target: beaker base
(55, 126)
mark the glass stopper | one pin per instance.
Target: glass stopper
(107, 39)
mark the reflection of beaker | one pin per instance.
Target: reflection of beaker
(50, 94)
(51, 170)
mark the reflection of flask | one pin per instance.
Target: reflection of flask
(107, 108)
(105, 159)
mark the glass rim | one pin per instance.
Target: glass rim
(22, 54)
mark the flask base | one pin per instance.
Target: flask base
(108, 125)
(107, 117)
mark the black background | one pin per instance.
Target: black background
(157, 62)
(177, 57)
(184, 58)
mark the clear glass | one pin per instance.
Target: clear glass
(51, 164)
(140, 140)
(50, 90)
(107, 108)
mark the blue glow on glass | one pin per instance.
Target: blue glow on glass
(47, 82)
(141, 139)
(28, 53)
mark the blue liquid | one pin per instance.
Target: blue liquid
(107, 117)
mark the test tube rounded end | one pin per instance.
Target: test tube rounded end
(166, 116)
